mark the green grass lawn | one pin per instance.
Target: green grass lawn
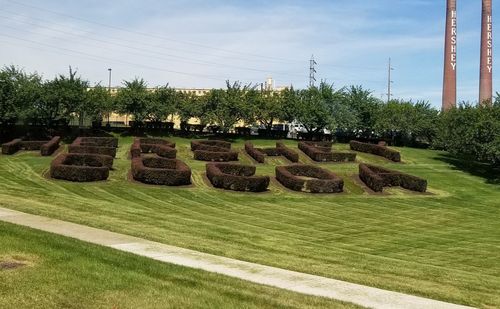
(58, 272)
(444, 245)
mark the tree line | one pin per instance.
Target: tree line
(350, 112)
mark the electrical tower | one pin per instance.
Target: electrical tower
(312, 71)
(389, 81)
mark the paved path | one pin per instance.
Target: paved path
(281, 278)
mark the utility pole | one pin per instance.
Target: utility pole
(109, 89)
(389, 81)
(312, 71)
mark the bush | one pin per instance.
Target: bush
(324, 182)
(259, 154)
(81, 167)
(11, 147)
(322, 152)
(50, 147)
(378, 150)
(161, 171)
(208, 144)
(288, 153)
(161, 147)
(255, 153)
(94, 145)
(236, 177)
(213, 150)
(377, 178)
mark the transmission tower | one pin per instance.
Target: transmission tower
(389, 81)
(312, 71)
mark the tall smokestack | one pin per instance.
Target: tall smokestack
(450, 57)
(486, 69)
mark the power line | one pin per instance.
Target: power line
(182, 59)
(151, 35)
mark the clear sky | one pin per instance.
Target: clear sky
(203, 43)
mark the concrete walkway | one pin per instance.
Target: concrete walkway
(276, 277)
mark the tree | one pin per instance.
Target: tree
(63, 97)
(133, 99)
(226, 107)
(99, 104)
(268, 107)
(364, 105)
(189, 105)
(162, 103)
(472, 132)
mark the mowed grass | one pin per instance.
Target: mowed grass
(58, 272)
(443, 245)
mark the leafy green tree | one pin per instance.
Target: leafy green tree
(471, 131)
(99, 104)
(364, 105)
(63, 98)
(162, 103)
(268, 107)
(226, 107)
(133, 99)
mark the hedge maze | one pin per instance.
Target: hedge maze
(260, 154)
(96, 145)
(377, 178)
(46, 147)
(213, 150)
(161, 147)
(379, 150)
(160, 171)
(153, 161)
(322, 152)
(309, 178)
(81, 167)
(236, 177)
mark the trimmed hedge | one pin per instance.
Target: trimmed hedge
(213, 150)
(255, 153)
(324, 181)
(208, 144)
(378, 150)
(288, 153)
(11, 147)
(259, 154)
(94, 145)
(51, 146)
(322, 152)
(161, 147)
(236, 177)
(161, 171)
(81, 167)
(377, 178)
(46, 147)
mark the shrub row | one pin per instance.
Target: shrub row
(378, 150)
(324, 181)
(213, 150)
(46, 147)
(161, 171)
(259, 154)
(322, 152)
(81, 167)
(94, 145)
(51, 146)
(236, 177)
(11, 147)
(208, 144)
(377, 178)
(161, 147)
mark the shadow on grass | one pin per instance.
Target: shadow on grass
(489, 172)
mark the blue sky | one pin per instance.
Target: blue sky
(203, 43)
